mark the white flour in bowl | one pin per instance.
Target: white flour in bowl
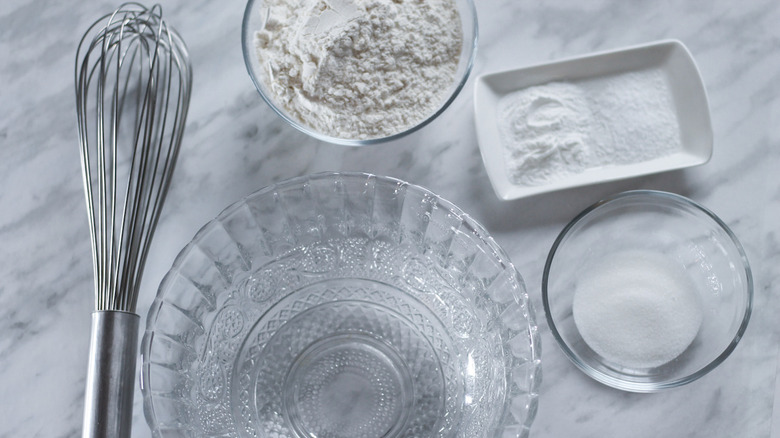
(360, 68)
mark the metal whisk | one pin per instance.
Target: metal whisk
(133, 84)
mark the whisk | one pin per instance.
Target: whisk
(133, 84)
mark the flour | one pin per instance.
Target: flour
(360, 68)
(637, 309)
(559, 129)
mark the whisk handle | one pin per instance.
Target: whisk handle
(108, 409)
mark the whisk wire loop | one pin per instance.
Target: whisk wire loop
(133, 84)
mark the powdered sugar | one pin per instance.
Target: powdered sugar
(545, 131)
(559, 129)
(360, 68)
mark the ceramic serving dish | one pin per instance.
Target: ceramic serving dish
(688, 101)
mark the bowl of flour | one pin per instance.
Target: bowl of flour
(359, 72)
(647, 290)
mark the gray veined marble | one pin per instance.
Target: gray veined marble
(234, 144)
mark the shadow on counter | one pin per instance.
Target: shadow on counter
(561, 206)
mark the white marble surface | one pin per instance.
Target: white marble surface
(234, 144)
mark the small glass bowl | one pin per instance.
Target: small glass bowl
(253, 21)
(663, 227)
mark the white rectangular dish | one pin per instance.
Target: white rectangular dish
(689, 108)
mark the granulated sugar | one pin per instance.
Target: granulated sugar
(637, 309)
(360, 68)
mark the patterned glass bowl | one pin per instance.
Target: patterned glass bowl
(255, 17)
(341, 305)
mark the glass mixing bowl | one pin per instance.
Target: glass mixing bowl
(255, 16)
(341, 306)
(647, 290)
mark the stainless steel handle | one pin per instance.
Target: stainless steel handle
(108, 407)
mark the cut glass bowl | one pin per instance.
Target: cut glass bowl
(341, 306)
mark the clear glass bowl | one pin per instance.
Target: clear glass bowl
(341, 305)
(642, 236)
(254, 19)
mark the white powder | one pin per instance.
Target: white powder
(637, 309)
(360, 68)
(558, 129)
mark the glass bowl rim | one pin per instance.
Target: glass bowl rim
(656, 197)
(248, 57)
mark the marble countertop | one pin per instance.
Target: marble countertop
(234, 144)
